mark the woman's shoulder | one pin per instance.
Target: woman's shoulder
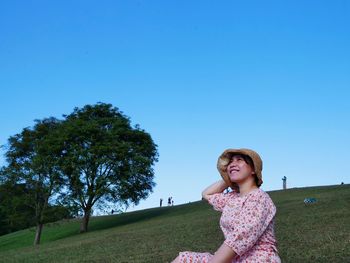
(261, 195)
(260, 192)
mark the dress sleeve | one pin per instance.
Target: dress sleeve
(218, 201)
(250, 223)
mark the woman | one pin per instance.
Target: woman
(248, 213)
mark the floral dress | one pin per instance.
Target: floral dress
(248, 225)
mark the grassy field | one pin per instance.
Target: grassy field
(314, 233)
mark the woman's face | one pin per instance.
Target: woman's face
(238, 170)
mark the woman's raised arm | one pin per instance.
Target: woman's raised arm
(217, 187)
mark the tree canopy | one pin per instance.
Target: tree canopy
(105, 159)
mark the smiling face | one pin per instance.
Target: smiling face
(239, 170)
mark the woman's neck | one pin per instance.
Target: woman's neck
(245, 188)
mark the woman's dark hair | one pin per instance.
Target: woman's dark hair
(250, 162)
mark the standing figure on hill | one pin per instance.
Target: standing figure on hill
(161, 202)
(248, 213)
(169, 201)
(284, 179)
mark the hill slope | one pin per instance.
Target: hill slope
(315, 233)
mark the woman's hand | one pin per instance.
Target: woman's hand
(223, 255)
(217, 187)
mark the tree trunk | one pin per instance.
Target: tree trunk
(39, 228)
(85, 222)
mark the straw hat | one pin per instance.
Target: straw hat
(225, 158)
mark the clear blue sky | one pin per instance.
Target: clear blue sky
(199, 76)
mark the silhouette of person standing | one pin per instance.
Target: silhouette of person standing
(161, 202)
(284, 179)
(169, 201)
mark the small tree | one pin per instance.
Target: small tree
(15, 212)
(105, 159)
(33, 162)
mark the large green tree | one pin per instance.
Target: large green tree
(33, 162)
(105, 159)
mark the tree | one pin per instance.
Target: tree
(15, 212)
(33, 161)
(105, 159)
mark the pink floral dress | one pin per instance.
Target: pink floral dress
(248, 226)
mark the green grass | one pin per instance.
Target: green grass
(314, 233)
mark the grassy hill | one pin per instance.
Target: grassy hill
(314, 233)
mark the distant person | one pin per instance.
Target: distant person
(112, 212)
(172, 202)
(284, 179)
(248, 213)
(169, 201)
(160, 202)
